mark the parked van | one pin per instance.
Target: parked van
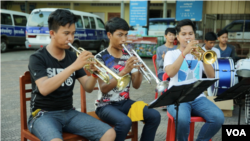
(235, 31)
(90, 30)
(13, 27)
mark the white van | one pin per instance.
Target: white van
(90, 30)
(13, 27)
(235, 31)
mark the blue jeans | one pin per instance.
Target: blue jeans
(49, 125)
(116, 114)
(199, 107)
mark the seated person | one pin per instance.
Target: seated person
(54, 70)
(113, 105)
(210, 39)
(162, 50)
(226, 50)
(180, 65)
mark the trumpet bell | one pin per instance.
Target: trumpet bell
(208, 57)
(123, 82)
(161, 86)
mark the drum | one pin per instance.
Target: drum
(243, 67)
(224, 70)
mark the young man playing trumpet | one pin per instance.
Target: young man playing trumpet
(180, 65)
(113, 105)
(54, 70)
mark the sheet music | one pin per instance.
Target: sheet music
(190, 81)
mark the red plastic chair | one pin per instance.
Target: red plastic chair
(171, 127)
(154, 58)
(171, 124)
(156, 73)
(165, 76)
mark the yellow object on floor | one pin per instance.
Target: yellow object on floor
(136, 111)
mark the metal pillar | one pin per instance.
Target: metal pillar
(72, 5)
(26, 7)
(165, 9)
(122, 9)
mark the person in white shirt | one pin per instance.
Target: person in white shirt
(180, 65)
(210, 39)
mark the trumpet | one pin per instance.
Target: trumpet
(208, 57)
(122, 81)
(161, 85)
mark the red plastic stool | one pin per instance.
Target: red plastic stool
(171, 127)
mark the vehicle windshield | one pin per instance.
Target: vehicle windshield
(161, 25)
(39, 18)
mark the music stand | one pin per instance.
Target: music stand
(182, 93)
(236, 92)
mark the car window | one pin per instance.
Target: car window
(92, 21)
(86, 22)
(236, 27)
(39, 19)
(247, 29)
(6, 19)
(20, 20)
(100, 23)
(79, 23)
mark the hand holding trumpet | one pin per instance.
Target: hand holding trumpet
(84, 59)
(190, 47)
(130, 64)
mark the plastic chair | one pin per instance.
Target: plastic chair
(132, 134)
(154, 58)
(171, 124)
(171, 127)
(25, 133)
(156, 73)
(165, 76)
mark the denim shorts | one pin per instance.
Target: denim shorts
(47, 125)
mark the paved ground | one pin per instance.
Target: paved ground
(14, 64)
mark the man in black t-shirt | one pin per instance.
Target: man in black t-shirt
(54, 70)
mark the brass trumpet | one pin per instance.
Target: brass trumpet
(122, 81)
(161, 85)
(208, 57)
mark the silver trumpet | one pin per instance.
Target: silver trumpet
(161, 85)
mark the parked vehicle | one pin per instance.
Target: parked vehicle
(13, 27)
(90, 30)
(235, 31)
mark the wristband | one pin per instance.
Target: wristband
(182, 55)
(93, 75)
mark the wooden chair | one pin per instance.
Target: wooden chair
(25, 133)
(133, 133)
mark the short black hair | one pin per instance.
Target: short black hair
(116, 23)
(60, 17)
(184, 23)
(171, 30)
(210, 36)
(223, 31)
